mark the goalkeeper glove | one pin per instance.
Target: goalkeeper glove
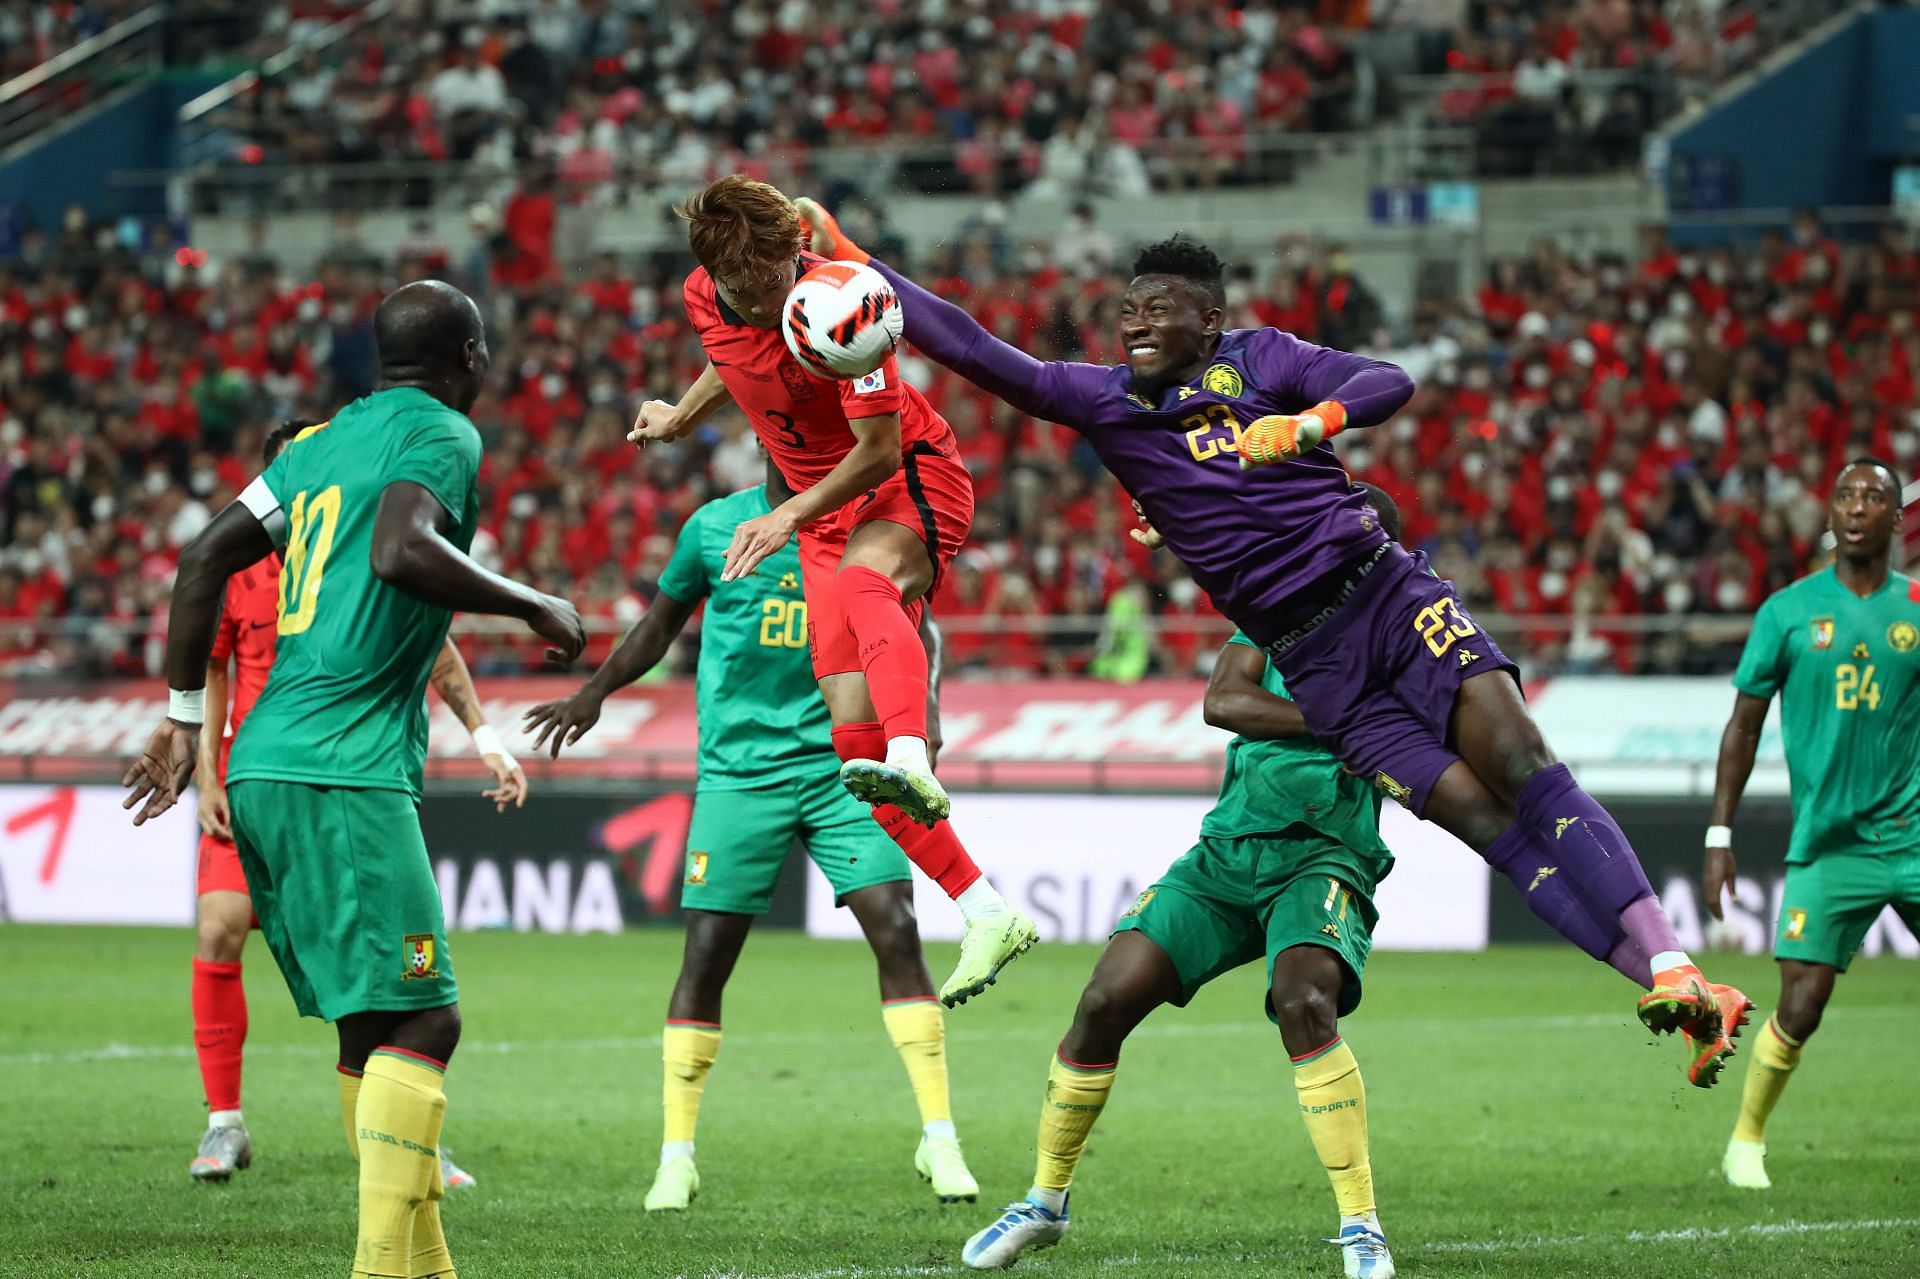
(825, 236)
(1281, 437)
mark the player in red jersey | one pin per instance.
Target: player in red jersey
(881, 504)
(248, 625)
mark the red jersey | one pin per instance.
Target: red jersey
(802, 419)
(248, 624)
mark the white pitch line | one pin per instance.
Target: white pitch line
(1513, 1244)
(1168, 1029)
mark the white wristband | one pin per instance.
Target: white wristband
(189, 706)
(486, 740)
(1719, 837)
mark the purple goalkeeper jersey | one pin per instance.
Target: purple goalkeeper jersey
(1251, 539)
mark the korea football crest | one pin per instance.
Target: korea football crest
(1823, 632)
(419, 954)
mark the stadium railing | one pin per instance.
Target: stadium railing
(123, 56)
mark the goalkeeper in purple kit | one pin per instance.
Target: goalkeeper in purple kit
(1221, 436)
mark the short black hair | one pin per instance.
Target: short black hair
(1866, 459)
(279, 437)
(1384, 505)
(1187, 258)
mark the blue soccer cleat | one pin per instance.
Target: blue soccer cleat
(1023, 1225)
(1364, 1249)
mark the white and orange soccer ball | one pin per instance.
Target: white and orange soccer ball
(842, 320)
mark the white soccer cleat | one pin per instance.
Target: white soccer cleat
(223, 1152)
(1023, 1225)
(452, 1174)
(986, 946)
(1364, 1250)
(675, 1186)
(938, 1160)
(1745, 1165)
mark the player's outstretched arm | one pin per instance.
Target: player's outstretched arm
(660, 422)
(1738, 746)
(1237, 703)
(567, 720)
(872, 460)
(454, 682)
(411, 553)
(234, 539)
(1345, 390)
(1050, 390)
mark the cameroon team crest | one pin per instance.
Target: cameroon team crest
(1140, 903)
(1823, 632)
(1223, 379)
(1796, 925)
(696, 868)
(419, 952)
(1390, 787)
(1904, 636)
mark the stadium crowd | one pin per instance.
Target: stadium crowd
(1594, 442)
(1072, 96)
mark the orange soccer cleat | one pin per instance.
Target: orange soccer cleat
(1709, 1049)
(1680, 998)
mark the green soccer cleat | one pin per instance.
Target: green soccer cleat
(675, 1186)
(938, 1160)
(987, 946)
(1745, 1165)
(918, 795)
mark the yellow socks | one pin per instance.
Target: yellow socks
(1772, 1063)
(920, 1037)
(397, 1122)
(1076, 1094)
(1333, 1102)
(687, 1048)
(349, 1105)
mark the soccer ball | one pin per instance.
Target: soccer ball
(842, 320)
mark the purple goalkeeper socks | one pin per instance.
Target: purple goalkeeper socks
(1550, 894)
(1582, 838)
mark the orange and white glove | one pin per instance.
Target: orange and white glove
(826, 238)
(1281, 437)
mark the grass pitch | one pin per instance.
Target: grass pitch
(1522, 1124)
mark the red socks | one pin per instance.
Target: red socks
(936, 850)
(890, 651)
(219, 1030)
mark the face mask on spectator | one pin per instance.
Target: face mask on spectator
(42, 327)
(1358, 458)
(1668, 436)
(553, 386)
(1676, 363)
(203, 481)
(1559, 488)
(1473, 466)
(1182, 591)
(1677, 596)
(1046, 561)
(1730, 595)
(75, 318)
(156, 483)
(1405, 429)
(1607, 484)
(308, 310)
(1689, 266)
(1538, 375)
(1717, 272)
(1637, 311)
(602, 393)
(1479, 379)
(102, 508)
(1553, 584)
(1612, 277)
(1820, 333)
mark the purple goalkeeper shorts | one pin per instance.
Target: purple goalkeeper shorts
(1376, 680)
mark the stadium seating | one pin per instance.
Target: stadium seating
(1613, 451)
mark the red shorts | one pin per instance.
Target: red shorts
(220, 867)
(932, 494)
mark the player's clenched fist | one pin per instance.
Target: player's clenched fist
(558, 623)
(1147, 535)
(1281, 437)
(160, 775)
(658, 422)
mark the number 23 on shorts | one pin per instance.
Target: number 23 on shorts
(1441, 623)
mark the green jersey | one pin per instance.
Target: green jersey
(1271, 785)
(1845, 669)
(762, 719)
(345, 702)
